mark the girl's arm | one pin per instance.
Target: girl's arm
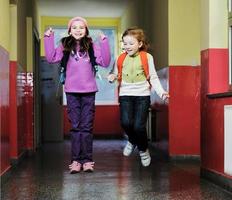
(52, 54)
(155, 82)
(102, 52)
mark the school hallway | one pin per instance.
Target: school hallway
(45, 176)
(190, 135)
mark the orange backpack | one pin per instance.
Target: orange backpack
(144, 60)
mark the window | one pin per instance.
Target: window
(107, 93)
(230, 41)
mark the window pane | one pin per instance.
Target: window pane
(107, 93)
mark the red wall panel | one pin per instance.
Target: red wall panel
(16, 107)
(214, 80)
(21, 111)
(66, 123)
(4, 110)
(13, 110)
(212, 134)
(28, 112)
(215, 70)
(184, 110)
(106, 122)
(21, 115)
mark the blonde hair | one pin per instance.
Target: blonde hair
(138, 33)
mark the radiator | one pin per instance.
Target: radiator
(228, 139)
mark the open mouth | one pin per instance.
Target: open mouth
(78, 35)
(129, 51)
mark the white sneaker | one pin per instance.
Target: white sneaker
(145, 158)
(128, 149)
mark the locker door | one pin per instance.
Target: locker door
(51, 100)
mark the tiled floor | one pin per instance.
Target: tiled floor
(45, 176)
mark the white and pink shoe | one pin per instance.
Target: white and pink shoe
(75, 167)
(88, 167)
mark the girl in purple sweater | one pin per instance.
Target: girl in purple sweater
(80, 85)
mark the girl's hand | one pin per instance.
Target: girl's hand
(165, 96)
(101, 35)
(111, 78)
(48, 32)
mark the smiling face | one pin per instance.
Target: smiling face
(131, 45)
(78, 30)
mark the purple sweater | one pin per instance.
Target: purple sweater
(80, 77)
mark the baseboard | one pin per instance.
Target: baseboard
(103, 136)
(16, 161)
(184, 157)
(5, 175)
(163, 152)
(162, 147)
(108, 136)
(217, 179)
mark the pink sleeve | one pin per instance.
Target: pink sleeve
(102, 53)
(52, 54)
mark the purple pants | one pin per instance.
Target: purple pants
(81, 110)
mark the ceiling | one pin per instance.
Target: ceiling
(84, 8)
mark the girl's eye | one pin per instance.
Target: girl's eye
(75, 27)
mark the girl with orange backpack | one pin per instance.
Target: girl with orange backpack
(136, 77)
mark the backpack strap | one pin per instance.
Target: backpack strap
(144, 61)
(120, 60)
(64, 59)
(63, 66)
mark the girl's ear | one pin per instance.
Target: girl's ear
(140, 44)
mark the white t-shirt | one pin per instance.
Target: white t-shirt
(142, 88)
